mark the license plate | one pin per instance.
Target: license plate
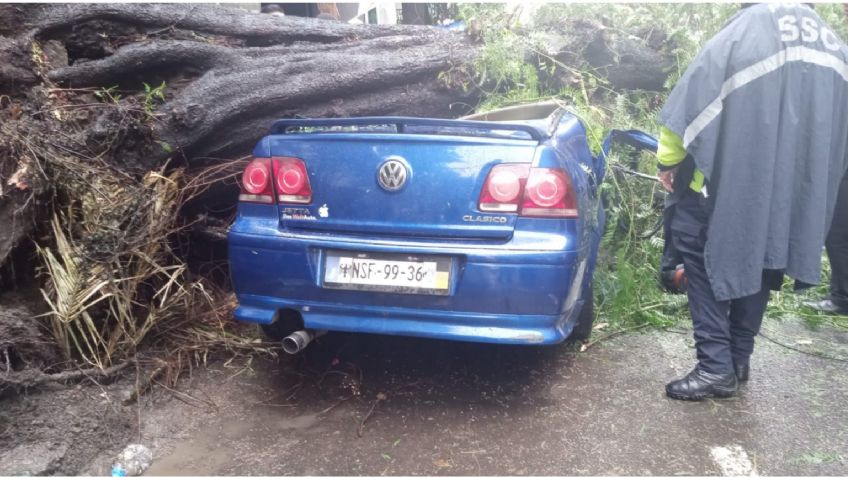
(387, 272)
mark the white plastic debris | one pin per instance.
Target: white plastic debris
(134, 460)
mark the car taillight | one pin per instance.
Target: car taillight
(256, 182)
(502, 190)
(532, 192)
(548, 193)
(291, 180)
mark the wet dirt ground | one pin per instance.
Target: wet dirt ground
(457, 408)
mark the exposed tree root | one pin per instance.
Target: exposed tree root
(34, 377)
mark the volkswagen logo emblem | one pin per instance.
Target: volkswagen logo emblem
(392, 175)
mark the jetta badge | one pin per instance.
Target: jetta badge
(392, 175)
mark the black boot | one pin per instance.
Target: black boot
(828, 305)
(700, 384)
(743, 371)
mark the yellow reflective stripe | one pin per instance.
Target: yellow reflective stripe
(697, 181)
(670, 151)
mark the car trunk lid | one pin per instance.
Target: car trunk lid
(420, 182)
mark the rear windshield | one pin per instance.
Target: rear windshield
(370, 128)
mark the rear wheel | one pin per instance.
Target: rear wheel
(583, 327)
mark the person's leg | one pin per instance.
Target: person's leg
(837, 249)
(714, 376)
(709, 316)
(746, 317)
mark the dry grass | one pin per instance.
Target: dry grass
(113, 280)
(112, 276)
(112, 234)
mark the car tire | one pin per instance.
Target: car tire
(583, 327)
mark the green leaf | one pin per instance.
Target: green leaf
(165, 146)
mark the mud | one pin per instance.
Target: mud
(454, 408)
(458, 408)
(59, 430)
(24, 343)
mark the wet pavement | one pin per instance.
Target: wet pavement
(456, 408)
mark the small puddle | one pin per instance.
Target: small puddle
(189, 456)
(296, 423)
(215, 447)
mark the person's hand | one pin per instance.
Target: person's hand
(667, 179)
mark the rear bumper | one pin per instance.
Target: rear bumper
(497, 295)
(486, 328)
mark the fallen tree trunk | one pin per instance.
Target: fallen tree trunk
(83, 81)
(302, 63)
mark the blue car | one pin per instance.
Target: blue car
(482, 229)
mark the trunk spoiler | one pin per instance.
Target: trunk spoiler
(405, 125)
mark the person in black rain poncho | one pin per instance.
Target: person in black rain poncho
(760, 118)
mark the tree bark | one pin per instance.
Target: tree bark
(50, 20)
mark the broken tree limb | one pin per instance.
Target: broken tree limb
(242, 84)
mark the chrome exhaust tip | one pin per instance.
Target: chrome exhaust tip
(299, 340)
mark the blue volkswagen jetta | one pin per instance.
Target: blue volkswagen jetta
(481, 229)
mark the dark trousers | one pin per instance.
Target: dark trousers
(724, 330)
(837, 248)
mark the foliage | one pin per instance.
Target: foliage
(503, 73)
(627, 275)
(687, 26)
(789, 302)
(836, 16)
(108, 95)
(817, 458)
(152, 96)
(512, 56)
